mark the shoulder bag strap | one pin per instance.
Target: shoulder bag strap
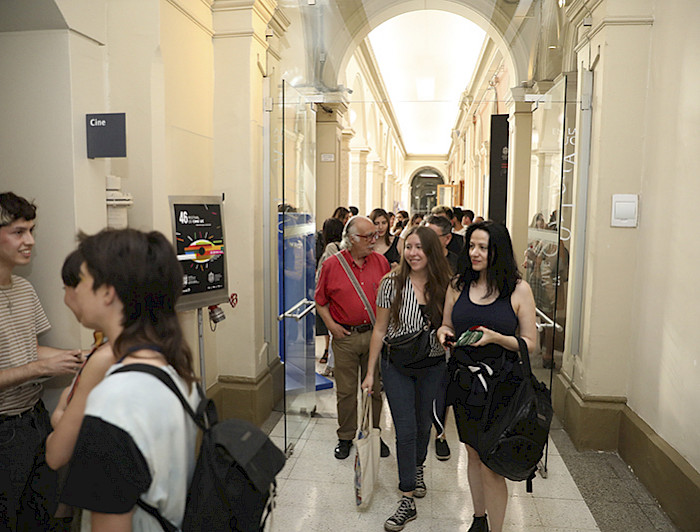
(524, 356)
(356, 285)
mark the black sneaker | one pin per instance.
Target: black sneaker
(442, 450)
(383, 449)
(420, 489)
(404, 513)
(342, 450)
(480, 524)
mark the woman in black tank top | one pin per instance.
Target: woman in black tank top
(488, 296)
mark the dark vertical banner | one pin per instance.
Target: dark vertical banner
(498, 166)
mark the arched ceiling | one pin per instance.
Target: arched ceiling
(426, 58)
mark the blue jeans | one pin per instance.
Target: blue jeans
(411, 402)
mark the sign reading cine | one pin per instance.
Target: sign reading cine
(106, 135)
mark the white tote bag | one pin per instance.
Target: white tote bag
(367, 457)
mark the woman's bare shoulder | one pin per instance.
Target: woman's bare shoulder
(522, 287)
(452, 291)
(522, 294)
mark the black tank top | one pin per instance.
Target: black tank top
(392, 254)
(498, 316)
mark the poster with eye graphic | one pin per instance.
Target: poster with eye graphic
(198, 236)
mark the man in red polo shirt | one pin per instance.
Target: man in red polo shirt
(342, 310)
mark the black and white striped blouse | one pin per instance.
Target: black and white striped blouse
(410, 316)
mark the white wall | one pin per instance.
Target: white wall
(664, 382)
(147, 59)
(56, 79)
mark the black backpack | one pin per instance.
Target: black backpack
(516, 420)
(233, 486)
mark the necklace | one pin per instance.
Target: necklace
(9, 301)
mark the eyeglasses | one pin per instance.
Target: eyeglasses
(371, 236)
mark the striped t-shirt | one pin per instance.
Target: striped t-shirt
(22, 319)
(410, 315)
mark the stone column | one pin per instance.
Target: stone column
(358, 181)
(329, 154)
(592, 387)
(347, 136)
(616, 166)
(389, 195)
(374, 190)
(244, 388)
(519, 147)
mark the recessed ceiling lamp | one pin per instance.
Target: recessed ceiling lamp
(562, 3)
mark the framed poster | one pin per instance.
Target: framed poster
(198, 237)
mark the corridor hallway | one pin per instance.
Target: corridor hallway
(265, 103)
(584, 491)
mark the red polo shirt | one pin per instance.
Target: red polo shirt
(335, 289)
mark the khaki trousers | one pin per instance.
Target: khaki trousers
(352, 354)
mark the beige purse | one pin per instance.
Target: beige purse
(367, 456)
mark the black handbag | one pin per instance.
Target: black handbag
(408, 351)
(516, 421)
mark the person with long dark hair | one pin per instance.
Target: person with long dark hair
(401, 222)
(415, 221)
(340, 213)
(386, 243)
(489, 296)
(136, 441)
(413, 292)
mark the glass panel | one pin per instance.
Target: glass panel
(297, 263)
(547, 256)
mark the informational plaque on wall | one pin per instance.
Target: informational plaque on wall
(198, 236)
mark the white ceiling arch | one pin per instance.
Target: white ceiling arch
(426, 59)
(359, 17)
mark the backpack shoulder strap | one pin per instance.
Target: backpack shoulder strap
(163, 377)
(166, 525)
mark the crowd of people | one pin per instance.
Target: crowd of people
(424, 282)
(117, 443)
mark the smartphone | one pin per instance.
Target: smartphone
(469, 337)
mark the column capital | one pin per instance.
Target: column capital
(516, 101)
(361, 151)
(338, 108)
(542, 86)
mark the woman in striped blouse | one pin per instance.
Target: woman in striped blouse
(411, 294)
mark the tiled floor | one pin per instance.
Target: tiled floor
(583, 491)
